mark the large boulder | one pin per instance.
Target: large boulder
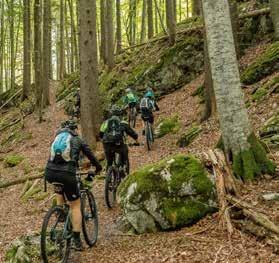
(173, 193)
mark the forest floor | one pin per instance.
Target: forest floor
(205, 241)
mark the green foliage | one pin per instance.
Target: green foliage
(265, 65)
(259, 94)
(13, 160)
(199, 91)
(168, 125)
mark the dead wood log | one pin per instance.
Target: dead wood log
(21, 180)
(255, 216)
(10, 99)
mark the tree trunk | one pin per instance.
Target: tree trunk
(62, 42)
(150, 19)
(235, 24)
(196, 8)
(248, 156)
(110, 34)
(160, 17)
(274, 7)
(174, 10)
(89, 72)
(37, 56)
(46, 44)
(74, 45)
(143, 22)
(170, 21)
(68, 57)
(118, 27)
(2, 45)
(12, 44)
(26, 49)
(103, 51)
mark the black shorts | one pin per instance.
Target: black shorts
(68, 179)
(132, 105)
(147, 116)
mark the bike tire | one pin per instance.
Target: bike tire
(148, 137)
(49, 256)
(88, 203)
(134, 117)
(110, 187)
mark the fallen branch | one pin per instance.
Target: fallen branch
(10, 99)
(260, 12)
(256, 217)
(21, 180)
(14, 122)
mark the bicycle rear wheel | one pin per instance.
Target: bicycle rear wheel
(55, 246)
(89, 212)
(110, 187)
(133, 117)
(148, 136)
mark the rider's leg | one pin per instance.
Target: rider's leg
(76, 215)
(60, 200)
(109, 153)
(124, 153)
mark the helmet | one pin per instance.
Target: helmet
(115, 110)
(71, 124)
(149, 94)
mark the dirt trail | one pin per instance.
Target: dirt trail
(203, 242)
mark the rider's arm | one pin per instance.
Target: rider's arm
(129, 131)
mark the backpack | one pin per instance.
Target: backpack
(61, 148)
(113, 133)
(146, 104)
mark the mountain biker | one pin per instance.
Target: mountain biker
(130, 101)
(113, 134)
(147, 106)
(61, 168)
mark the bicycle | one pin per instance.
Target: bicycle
(149, 135)
(132, 116)
(114, 175)
(56, 233)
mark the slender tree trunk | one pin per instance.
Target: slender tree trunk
(46, 44)
(57, 51)
(156, 19)
(274, 7)
(74, 45)
(103, 51)
(143, 22)
(50, 44)
(62, 42)
(170, 21)
(26, 49)
(180, 10)
(175, 10)
(240, 144)
(69, 57)
(89, 72)
(187, 8)
(196, 8)
(2, 47)
(160, 17)
(150, 18)
(37, 56)
(12, 44)
(110, 34)
(118, 27)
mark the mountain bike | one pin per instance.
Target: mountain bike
(132, 116)
(149, 135)
(113, 178)
(56, 233)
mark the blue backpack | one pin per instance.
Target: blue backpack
(61, 148)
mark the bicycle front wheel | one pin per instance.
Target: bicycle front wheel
(89, 212)
(55, 240)
(110, 187)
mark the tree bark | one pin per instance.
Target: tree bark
(12, 44)
(160, 17)
(103, 50)
(240, 144)
(143, 22)
(89, 72)
(118, 27)
(170, 21)
(110, 34)
(2, 45)
(26, 50)
(46, 58)
(235, 25)
(274, 7)
(38, 57)
(74, 44)
(62, 42)
(196, 8)
(150, 19)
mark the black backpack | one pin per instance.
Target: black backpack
(113, 133)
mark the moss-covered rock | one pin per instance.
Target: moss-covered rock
(187, 137)
(170, 194)
(265, 65)
(13, 160)
(166, 126)
(270, 132)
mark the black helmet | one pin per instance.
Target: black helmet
(115, 110)
(70, 124)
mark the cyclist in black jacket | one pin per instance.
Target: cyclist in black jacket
(111, 146)
(63, 172)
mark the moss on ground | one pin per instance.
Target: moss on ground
(252, 162)
(168, 125)
(259, 94)
(265, 65)
(189, 136)
(13, 160)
